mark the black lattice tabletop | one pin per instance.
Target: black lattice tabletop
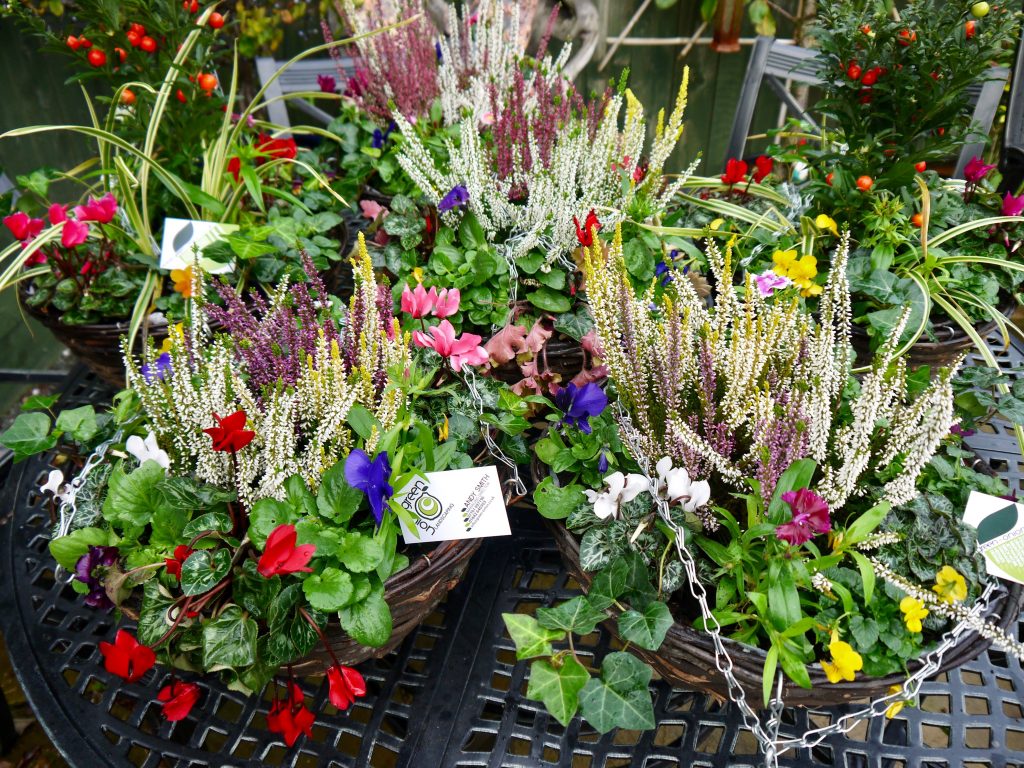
(453, 694)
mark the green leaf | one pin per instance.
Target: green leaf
(549, 300)
(131, 498)
(29, 435)
(620, 699)
(471, 233)
(865, 632)
(575, 615)
(646, 629)
(783, 598)
(211, 521)
(80, 423)
(168, 525)
(153, 622)
(865, 525)
(369, 622)
(361, 420)
(336, 499)
(255, 593)
(229, 640)
(266, 515)
(203, 570)
(360, 553)
(559, 688)
(328, 591)
(556, 502)
(39, 402)
(798, 475)
(771, 663)
(68, 549)
(867, 575)
(794, 667)
(530, 637)
(608, 584)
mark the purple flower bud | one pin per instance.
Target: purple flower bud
(457, 197)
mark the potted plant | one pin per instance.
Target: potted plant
(245, 513)
(767, 506)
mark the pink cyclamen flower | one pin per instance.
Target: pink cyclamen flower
(22, 226)
(372, 209)
(101, 210)
(976, 170)
(74, 233)
(447, 303)
(465, 350)
(1012, 206)
(57, 214)
(769, 282)
(419, 302)
(810, 517)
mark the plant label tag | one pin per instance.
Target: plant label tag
(455, 504)
(1000, 525)
(184, 240)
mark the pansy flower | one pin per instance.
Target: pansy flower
(371, 476)
(457, 197)
(580, 403)
(157, 370)
(90, 569)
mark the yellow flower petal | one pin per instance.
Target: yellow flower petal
(716, 224)
(827, 223)
(784, 261)
(950, 585)
(897, 706)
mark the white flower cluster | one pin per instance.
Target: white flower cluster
(673, 484)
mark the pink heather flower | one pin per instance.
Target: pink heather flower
(74, 233)
(57, 214)
(1012, 206)
(372, 209)
(419, 302)
(465, 350)
(769, 282)
(447, 302)
(100, 210)
(22, 226)
(810, 517)
(976, 170)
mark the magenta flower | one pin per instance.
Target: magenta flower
(1012, 206)
(769, 282)
(464, 350)
(57, 214)
(22, 226)
(74, 233)
(976, 170)
(101, 210)
(810, 517)
(418, 302)
(447, 303)
(327, 83)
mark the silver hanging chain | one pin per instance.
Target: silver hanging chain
(492, 447)
(768, 735)
(68, 509)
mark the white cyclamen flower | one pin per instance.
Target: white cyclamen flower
(54, 480)
(621, 489)
(678, 489)
(147, 450)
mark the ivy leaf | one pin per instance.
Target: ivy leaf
(229, 640)
(556, 502)
(40, 402)
(608, 584)
(68, 549)
(369, 622)
(203, 570)
(646, 629)
(80, 423)
(337, 500)
(131, 498)
(576, 325)
(29, 435)
(360, 553)
(530, 637)
(620, 699)
(575, 615)
(211, 521)
(328, 591)
(558, 688)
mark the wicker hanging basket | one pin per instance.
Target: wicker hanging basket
(561, 355)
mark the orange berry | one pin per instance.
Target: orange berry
(920, 167)
(180, 95)
(73, 42)
(207, 81)
(133, 39)
(122, 54)
(828, 178)
(127, 97)
(148, 44)
(84, 42)
(216, 20)
(865, 183)
(917, 220)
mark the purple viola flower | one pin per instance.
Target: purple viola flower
(157, 370)
(378, 139)
(959, 431)
(976, 170)
(437, 51)
(457, 197)
(327, 83)
(86, 572)
(602, 462)
(371, 477)
(580, 403)
(1012, 205)
(810, 517)
(664, 271)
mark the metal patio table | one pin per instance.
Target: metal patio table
(453, 694)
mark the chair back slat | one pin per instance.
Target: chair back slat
(300, 77)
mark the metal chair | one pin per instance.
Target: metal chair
(777, 64)
(298, 78)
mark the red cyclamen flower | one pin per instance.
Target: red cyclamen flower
(810, 517)
(101, 210)
(22, 226)
(591, 225)
(735, 172)
(345, 685)
(763, 166)
(57, 214)
(126, 657)
(74, 233)
(173, 564)
(290, 717)
(230, 433)
(281, 556)
(178, 699)
(464, 350)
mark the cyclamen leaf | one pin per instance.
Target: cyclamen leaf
(211, 521)
(229, 640)
(203, 570)
(153, 622)
(558, 689)
(530, 637)
(328, 591)
(254, 592)
(575, 615)
(646, 629)
(608, 584)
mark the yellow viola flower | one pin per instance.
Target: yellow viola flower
(784, 261)
(897, 706)
(442, 431)
(177, 331)
(417, 274)
(913, 611)
(950, 585)
(845, 663)
(716, 224)
(826, 223)
(802, 272)
(182, 279)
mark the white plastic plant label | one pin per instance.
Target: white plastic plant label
(455, 504)
(184, 240)
(1000, 525)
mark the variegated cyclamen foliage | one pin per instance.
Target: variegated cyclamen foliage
(300, 429)
(749, 385)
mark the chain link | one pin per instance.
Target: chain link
(492, 447)
(768, 735)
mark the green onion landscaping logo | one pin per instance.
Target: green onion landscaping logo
(424, 505)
